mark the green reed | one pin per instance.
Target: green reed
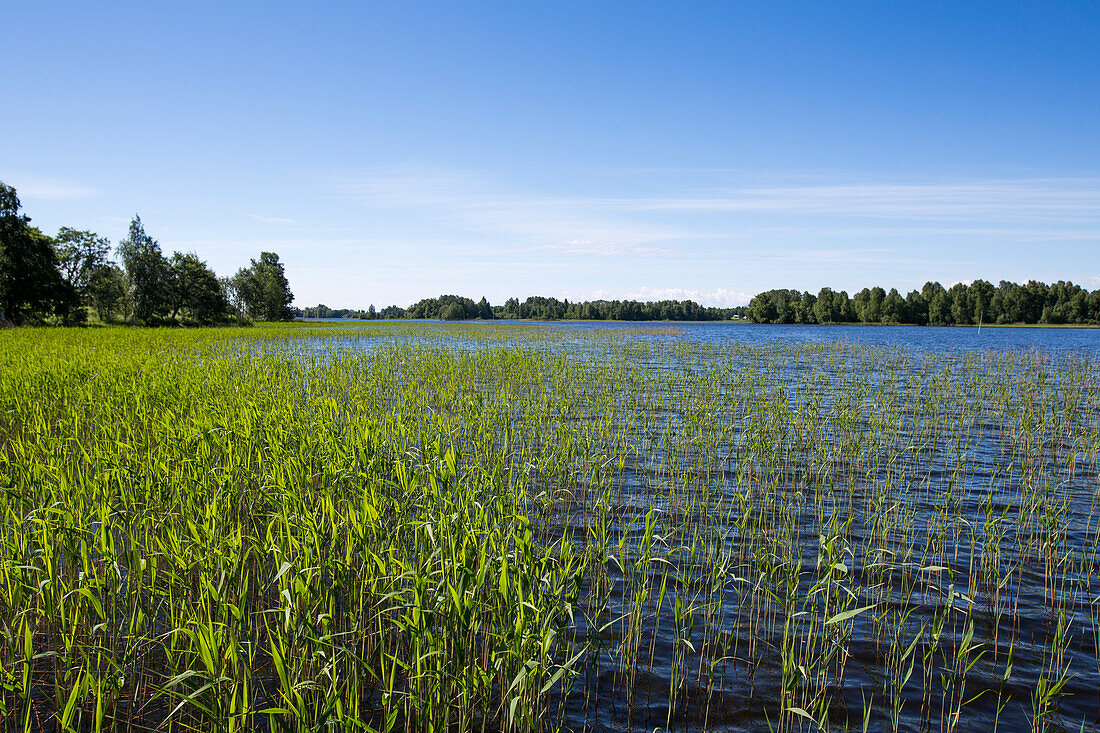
(405, 526)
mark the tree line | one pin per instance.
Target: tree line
(69, 277)
(457, 308)
(963, 304)
(615, 310)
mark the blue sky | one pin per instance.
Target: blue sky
(390, 152)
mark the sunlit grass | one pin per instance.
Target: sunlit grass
(407, 526)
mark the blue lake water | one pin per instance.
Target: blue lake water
(980, 445)
(1082, 341)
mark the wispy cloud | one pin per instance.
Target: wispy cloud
(854, 256)
(270, 219)
(1017, 210)
(46, 188)
(831, 255)
(1006, 234)
(1061, 199)
(719, 297)
(472, 202)
(280, 244)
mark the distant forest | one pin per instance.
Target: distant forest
(536, 308)
(1062, 303)
(934, 305)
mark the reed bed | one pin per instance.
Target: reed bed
(453, 527)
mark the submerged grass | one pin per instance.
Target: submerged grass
(395, 526)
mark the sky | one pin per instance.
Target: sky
(390, 152)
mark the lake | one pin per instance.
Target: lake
(938, 484)
(935, 338)
(543, 526)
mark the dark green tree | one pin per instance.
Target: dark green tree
(1007, 304)
(106, 290)
(964, 304)
(484, 310)
(916, 308)
(264, 290)
(763, 308)
(391, 312)
(842, 306)
(929, 292)
(981, 301)
(1092, 304)
(939, 309)
(79, 253)
(30, 283)
(452, 312)
(893, 308)
(1035, 298)
(804, 308)
(146, 274)
(963, 311)
(194, 290)
(825, 309)
(867, 304)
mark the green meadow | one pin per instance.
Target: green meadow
(400, 526)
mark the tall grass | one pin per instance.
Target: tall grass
(394, 526)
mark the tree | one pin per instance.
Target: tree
(146, 273)
(391, 312)
(1008, 303)
(874, 306)
(484, 310)
(769, 307)
(825, 310)
(79, 253)
(867, 304)
(1092, 304)
(804, 312)
(916, 308)
(264, 289)
(939, 309)
(452, 312)
(962, 305)
(30, 284)
(929, 292)
(981, 301)
(1035, 299)
(842, 305)
(106, 290)
(893, 308)
(194, 289)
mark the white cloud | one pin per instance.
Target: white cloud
(469, 201)
(607, 248)
(290, 244)
(867, 256)
(832, 256)
(1001, 234)
(720, 297)
(1011, 210)
(1060, 199)
(270, 219)
(45, 188)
